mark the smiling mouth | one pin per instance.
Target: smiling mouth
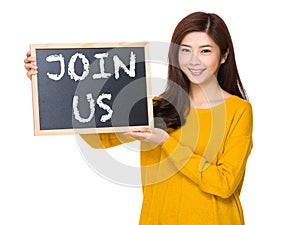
(196, 72)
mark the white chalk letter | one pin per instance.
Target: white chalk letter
(86, 66)
(76, 112)
(55, 58)
(106, 117)
(119, 64)
(102, 74)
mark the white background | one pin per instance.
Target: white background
(45, 180)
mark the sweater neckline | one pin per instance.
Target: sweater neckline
(216, 106)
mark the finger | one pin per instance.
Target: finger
(29, 60)
(144, 129)
(31, 73)
(138, 135)
(29, 66)
(30, 63)
(134, 133)
(31, 70)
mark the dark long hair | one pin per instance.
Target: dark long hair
(174, 104)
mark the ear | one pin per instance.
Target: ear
(223, 59)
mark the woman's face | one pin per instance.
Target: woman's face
(199, 57)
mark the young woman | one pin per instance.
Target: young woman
(193, 162)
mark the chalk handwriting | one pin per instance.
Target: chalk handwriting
(76, 112)
(102, 74)
(106, 117)
(118, 64)
(86, 66)
(55, 58)
(91, 102)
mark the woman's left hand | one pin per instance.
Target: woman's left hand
(153, 135)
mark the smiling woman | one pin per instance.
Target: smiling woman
(209, 32)
(193, 162)
(200, 59)
(199, 55)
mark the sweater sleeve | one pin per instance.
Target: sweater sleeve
(105, 140)
(223, 177)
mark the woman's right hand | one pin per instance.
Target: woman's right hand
(30, 65)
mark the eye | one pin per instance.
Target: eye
(185, 50)
(206, 50)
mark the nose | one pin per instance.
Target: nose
(195, 59)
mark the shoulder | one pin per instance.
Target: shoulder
(238, 108)
(240, 115)
(237, 103)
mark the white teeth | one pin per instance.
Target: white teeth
(196, 71)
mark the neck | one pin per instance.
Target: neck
(208, 95)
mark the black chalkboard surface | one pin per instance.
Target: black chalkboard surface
(93, 87)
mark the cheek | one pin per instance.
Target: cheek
(180, 62)
(213, 64)
(183, 60)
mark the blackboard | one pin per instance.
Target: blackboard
(91, 87)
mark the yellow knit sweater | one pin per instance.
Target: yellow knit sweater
(196, 176)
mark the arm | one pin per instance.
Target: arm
(106, 140)
(223, 177)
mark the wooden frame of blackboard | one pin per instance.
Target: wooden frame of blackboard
(35, 89)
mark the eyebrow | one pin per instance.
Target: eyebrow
(202, 46)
